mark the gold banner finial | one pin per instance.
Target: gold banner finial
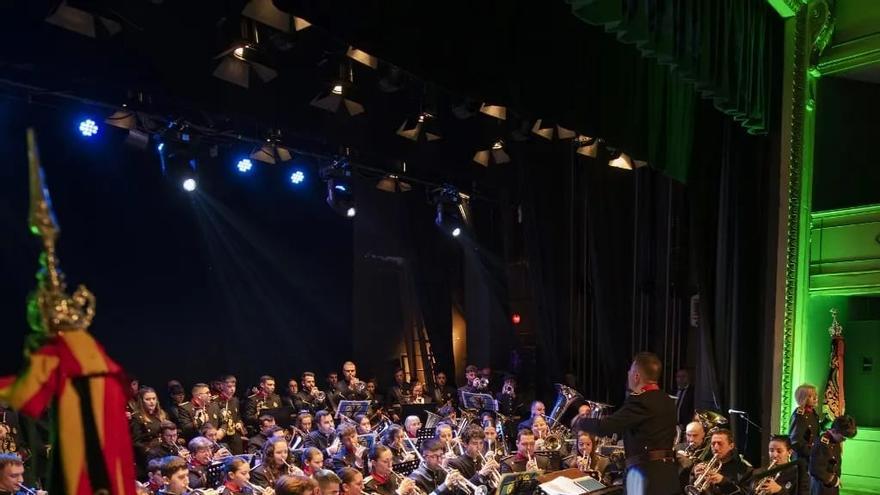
(835, 329)
(50, 308)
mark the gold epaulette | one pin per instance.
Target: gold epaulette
(368, 479)
(800, 411)
(825, 440)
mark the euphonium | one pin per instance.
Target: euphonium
(702, 481)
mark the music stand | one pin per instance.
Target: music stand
(367, 440)
(479, 402)
(406, 467)
(523, 483)
(351, 408)
(283, 415)
(214, 474)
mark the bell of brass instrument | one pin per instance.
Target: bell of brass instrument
(466, 485)
(255, 488)
(318, 395)
(702, 481)
(760, 487)
(565, 398)
(399, 478)
(494, 475)
(358, 386)
(480, 383)
(553, 441)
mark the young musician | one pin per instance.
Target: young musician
(363, 424)
(312, 461)
(444, 433)
(198, 411)
(382, 480)
(352, 481)
(783, 482)
(537, 410)
(734, 469)
(296, 485)
(264, 398)
(430, 477)
(324, 439)
(175, 474)
(417, 394)
(586, 459)
(274, 465)
(351, 453)
(12, 475)
(525, 458)
(470, 464)
(393, 439)
(168, 443)
(310, 396)
(803, 430)
(230, 415)
(237, 473)
(826, 457)
(400, 391)
(146, 421)
(443, 394)
(328, 482)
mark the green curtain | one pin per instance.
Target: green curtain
(723, 49)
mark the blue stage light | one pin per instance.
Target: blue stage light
(297, 177)
(88, 127)
(245, 165)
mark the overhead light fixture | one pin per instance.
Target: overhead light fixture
(123, 118)
(640, 163)
(265, 12)
(239, 65)
(393, 183)
(452, 209)
(339, 96)
(362, 57)
(496, 111)
(270, 152)
(495, 154)
(622, 160)
(420, 128)
(340, 188)
(587, 146)
(82, 22)
(548, 130)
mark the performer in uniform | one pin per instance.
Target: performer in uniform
(382, 480)
(586, 459)
(310, 397)
(525, 458)
(146, 419)
(826, 457)
(784, 482)
(695, 450)
(230, 415)
(470, 464)
(324, 439)
(803, 431)
(734, 469)
(12, 475)
(264, 398)
(430, 477)
(350, 388)
(647, 422)
(198, 411)
(176, 476)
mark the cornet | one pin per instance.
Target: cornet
(465, 485)
(761, 486)
(532, 463)
(399, 479)
(256, 489)
(494, 475)
(702, 481)
(480, 383)
(318, 395)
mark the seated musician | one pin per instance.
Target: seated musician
(154, 481)
(784, 482)
(471, 464)
(309, 398)
(382, 480)
(393, 439)
(351, 453)
(733, 471)
(168, 446)
(586, 459)
(430, 477)
(237, 478)
(444, 433)
(296, 485)
(352, 481)
(312, 461)
(364, 426)
(492, 443)
(328, 482)
(220, 451)
(695, 449)
(201, 454)
(267, 429)
(443, 394)
(525, 458)
(12, 475)
(412, 425)
(175, 474)
(301, 429)
(417, 394)
(324, 439)
(274, 465)
(537, 410)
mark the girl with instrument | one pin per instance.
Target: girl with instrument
(312, 461)
(382, 479)
(352, 481)
(238, 479)
(364, 426)
(274, 463)
(586, 459)
(783, 482)
(146, 418)
(352, 453)
(393, 439)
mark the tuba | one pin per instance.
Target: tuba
(566, 396)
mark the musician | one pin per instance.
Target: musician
(176, 397)
(695, 450)
(376, 399)
(324, 439)
(328, 482)
(587, 459)
(382, 480)
(784, 482)
(176, 476)
(154, 481)
(363, 424)
(417, 394)
(509, 403)
(430, 477)
(198, 411)
(201, 453)
(684, 402)
(230, 415)
(274, 465)
(308, 396)
(492, 443)
(412, 425)
(296, 485)
(351, 454)
(734, 468)
(826, 457)
(236, 477)
(146, 418)
(399, 390)
(12, 475)
(220, 451)
(264, 398)
(168, 443)
(352, 481)
(486, 374)
(348, 388)
(536, 410)
(470, 375)
(525, 458)
(392, 438)
(803, 430)
(471, 463)
(312, 461)
(301, 428)
(447, 414)
(290, 399)
(443, 393)
(444, 433)
(134, 386)
(647, 421)
(267, 429)
(541, 431)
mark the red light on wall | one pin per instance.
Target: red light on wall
(515, 318)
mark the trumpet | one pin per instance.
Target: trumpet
(29, 491)
(532, 463)
(466, 485)
(256, 489)
(399, 479)
(702, 481)
(761, 486)
(202, 491)
(480, 383)
(291, 469)
(318, 395)
(494, 475)
(358, 386)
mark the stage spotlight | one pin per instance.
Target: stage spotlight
(362, 57)
(241, 64)
(452, 209)
(297, 177)
(622, 160)
(189, 184)
(496, 111)
(420, 128)
(340, 190)
(340, 95)
(495, 154)
(265, 12)
(88, 128)
(587, 146)
(123, 119)
(270, 152)
(244, 165)
(393, 184)
(82, 22)
(548, 130)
